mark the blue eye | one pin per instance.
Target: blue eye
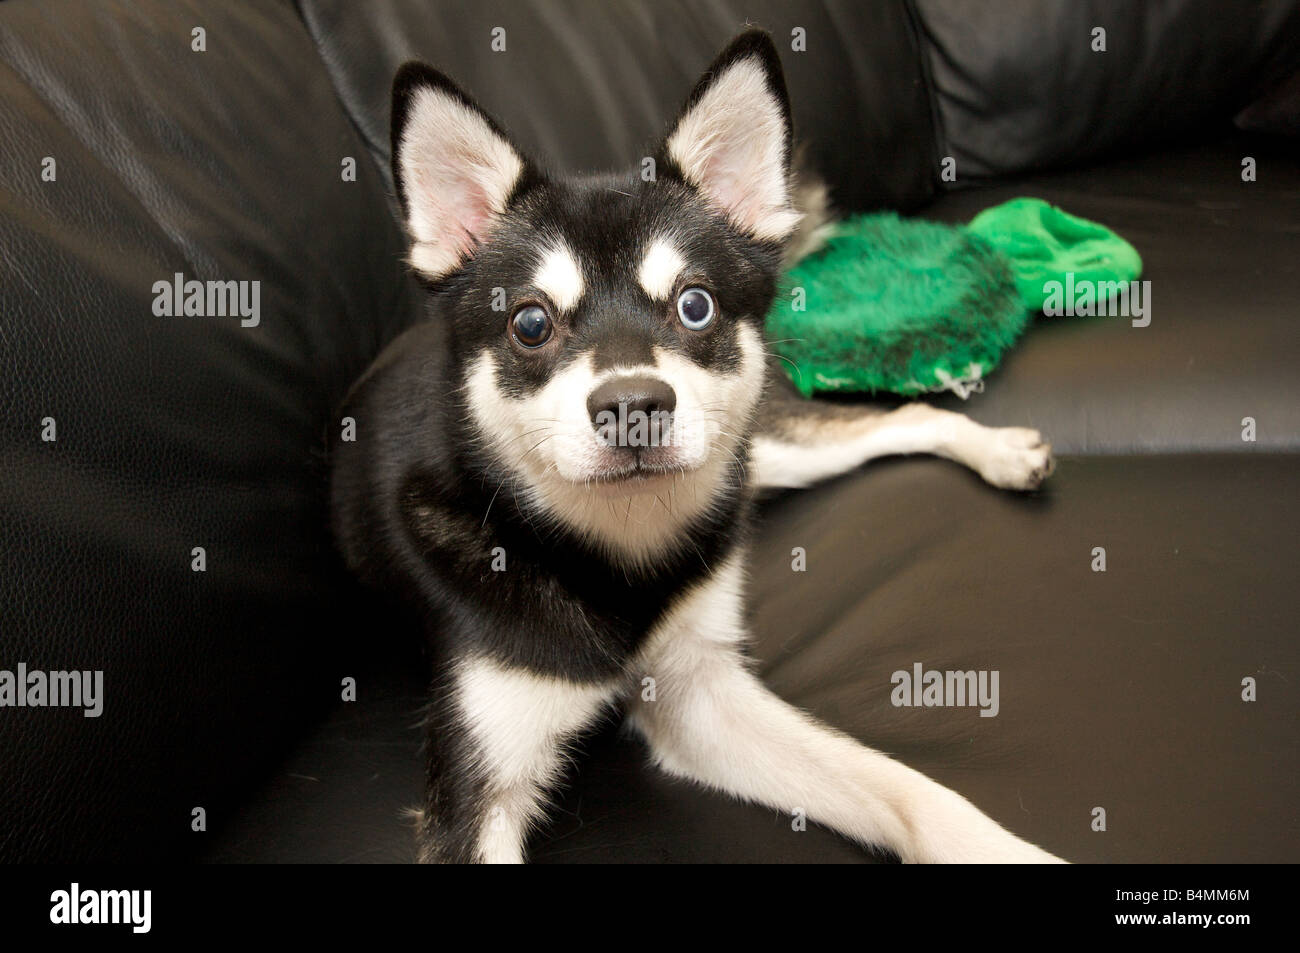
(532, 326)
(695, 308)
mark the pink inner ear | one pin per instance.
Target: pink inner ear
(478, 214)
(726, 187)
(456, 211)
(468, 215)
(732, 182)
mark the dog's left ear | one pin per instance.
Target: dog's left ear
(732, 139)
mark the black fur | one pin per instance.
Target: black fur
(418, 506)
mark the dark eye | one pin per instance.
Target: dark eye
(695, 308)
(532, 326)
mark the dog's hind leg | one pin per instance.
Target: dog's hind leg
(711, 720)
(800, 442)
(497, 743)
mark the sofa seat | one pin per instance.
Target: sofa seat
(1119, 690)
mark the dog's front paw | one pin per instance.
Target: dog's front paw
(1017, 458)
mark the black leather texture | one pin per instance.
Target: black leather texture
(1220, 255)
(589, 85)
(1028, 84)
(1120, 690)
(172, 432)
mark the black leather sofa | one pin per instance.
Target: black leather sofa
(1120, 690)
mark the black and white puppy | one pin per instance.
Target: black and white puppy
(504, 481)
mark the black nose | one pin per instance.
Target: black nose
(616, 405)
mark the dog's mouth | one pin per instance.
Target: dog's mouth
(637, 474)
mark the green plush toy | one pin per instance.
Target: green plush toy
(911, 306)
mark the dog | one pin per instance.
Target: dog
(557, 468)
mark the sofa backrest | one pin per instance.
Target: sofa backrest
(1035, 84)
(127, 157)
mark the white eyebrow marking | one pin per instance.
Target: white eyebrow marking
(560, 277)
(659, 269)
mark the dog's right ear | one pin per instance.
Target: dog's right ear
(454, 168)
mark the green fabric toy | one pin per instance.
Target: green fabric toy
(911, 306)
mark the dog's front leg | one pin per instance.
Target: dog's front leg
(713, 721)
(801, 442)
(496, 744)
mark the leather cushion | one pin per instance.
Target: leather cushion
(1222, 344)
(1119, 690)
(172, 432)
